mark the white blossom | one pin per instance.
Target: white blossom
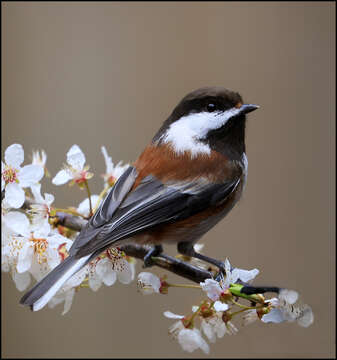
(67, 292)
(213, 326)
(28, 245)
(14, 177)
(21, 280)
(112, 172)
(212, 289)
(8, 259)
(235, 274)
(284, 308)
(108, 268)
(74, 169)
(60, 297)
(132, 262)
(148, 283)
(215, 289)
(189, 339)
(41, 208)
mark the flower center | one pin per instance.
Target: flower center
(62, 250)
(10, 174)
(40, 247)
(111, 180)
(81, 177)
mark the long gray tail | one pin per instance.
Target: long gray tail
(43, 291)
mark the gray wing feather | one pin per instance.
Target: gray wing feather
(114, 197)
(153, 203)
(105, 211)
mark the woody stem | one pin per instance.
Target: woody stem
(89, 196)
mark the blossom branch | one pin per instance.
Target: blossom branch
(35, 233)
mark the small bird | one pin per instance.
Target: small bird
(184, 182)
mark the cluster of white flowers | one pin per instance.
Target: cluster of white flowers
(31, 245)
(216, 313)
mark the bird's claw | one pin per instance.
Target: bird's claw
(155, 251)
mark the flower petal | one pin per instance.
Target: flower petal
(307, 316)
(212, 289)
(124, 273)
(219, 306)
(108, 161)
(62, 295)
(133, 270)
(25, 257)
(170, 315)
(30, 174)
(84, 206)
(148, 283)
(95, 281)
(36, 191)
(109, 278)
(76, 279)
(75, 157)
(105, 272)
(289, 296)
(17, 222)
(69, 296)
(2, 179)
(102, 266)
(49, 198)
(55, 240)
(208, 330)
(191, 340)
(42, 230)
(274, 316)
(22, 280)
(39, 158)
(53, 257)
(14, 195)
(220, 328)
(244, 275)
(229, 277)
(198, 247)
(61, 177)
(14, 155)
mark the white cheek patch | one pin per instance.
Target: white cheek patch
(185, 134)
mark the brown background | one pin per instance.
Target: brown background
(110, 73)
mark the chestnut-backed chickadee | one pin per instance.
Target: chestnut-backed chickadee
(185, 181)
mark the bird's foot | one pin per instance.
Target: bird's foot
(154, 251)
(186, 248)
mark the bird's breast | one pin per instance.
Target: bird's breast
(163, 163)
(167, 166)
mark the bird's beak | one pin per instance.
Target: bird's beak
(247, 108)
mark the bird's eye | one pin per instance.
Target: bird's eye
(211, 107)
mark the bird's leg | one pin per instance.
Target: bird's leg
(154, 251)
(186, 248)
